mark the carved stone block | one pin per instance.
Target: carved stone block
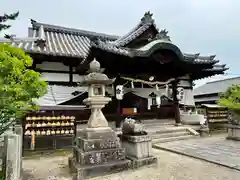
(99, 156)
(98, 144)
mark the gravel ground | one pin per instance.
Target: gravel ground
(170, 167)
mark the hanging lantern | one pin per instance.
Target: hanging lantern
(119, 92)
(132, 85)
(180, 93)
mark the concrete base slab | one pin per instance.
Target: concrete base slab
(221, 152)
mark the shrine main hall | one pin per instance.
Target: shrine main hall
(154, 78)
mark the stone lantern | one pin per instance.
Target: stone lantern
(97, 148)
(96, 100)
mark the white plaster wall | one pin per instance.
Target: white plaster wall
(54, 66)
(185, 83)
(63, 77)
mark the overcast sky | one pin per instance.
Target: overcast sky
(204, 26)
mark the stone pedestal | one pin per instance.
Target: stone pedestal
(97, 153)
(204, 132)
(234, 132)
(13, 155)
(138, 150)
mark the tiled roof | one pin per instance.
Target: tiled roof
(131, 52)
(60, 29)
(113, 49)
(216, 86)
(59, 94)
(58, 40)
(206, 99)
(198, 59)
(218, 67)
(61, 41)
(144, 24)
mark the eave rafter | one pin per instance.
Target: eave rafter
(198, 59)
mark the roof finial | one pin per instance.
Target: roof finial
(33, 21)
(163, 35)
(10, 37)
(147, 18)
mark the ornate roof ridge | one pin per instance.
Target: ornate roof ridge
(147, 18)
(163, 34)
(62, 29)
(141, 27)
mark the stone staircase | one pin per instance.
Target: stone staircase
(173, 134)
(165, 131)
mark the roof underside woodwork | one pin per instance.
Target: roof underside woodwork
(143, 50)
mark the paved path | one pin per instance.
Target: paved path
(170, 166)
(214, 149)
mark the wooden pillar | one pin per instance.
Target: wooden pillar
(34, 65)
(175, 103)
(70, 74)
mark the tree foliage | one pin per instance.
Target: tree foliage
(19, 85)
(231, 98)
(5, 18)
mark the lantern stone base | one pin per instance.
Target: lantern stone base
(97, 152)
(234, 132)
(138, 150)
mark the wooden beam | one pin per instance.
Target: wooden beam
(176, 103)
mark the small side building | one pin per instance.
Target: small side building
(209, 93)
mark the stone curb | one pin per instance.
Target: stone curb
(195, 157)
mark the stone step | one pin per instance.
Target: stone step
(170, 139)
(158, 123)
(166, 135)
(163, 130)
(157, 120)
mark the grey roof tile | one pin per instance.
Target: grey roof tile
(61, 44)
(217, 67)
(114, 49)
(216, 86)
(79, 32)
(61, 41)
(58, 40)
(198, 59)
